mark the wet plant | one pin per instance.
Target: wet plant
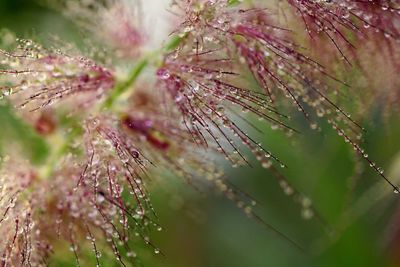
(185, 109)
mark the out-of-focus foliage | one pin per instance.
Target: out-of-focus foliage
(16, 131)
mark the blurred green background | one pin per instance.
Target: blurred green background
(360, 214)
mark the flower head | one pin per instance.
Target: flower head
(22, 242)
(116, 23)
(212, 35)
(225, 67)
(39, 77)
(335, 20)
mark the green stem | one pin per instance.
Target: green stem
(124, 86)
(174, 43)
(233, 2)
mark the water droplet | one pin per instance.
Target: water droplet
(307, 214)
(131, 254)
(266, 164)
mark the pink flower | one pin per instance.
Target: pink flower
(196, 77)
(227, 66)
(334, 20)
(39, 77)
(117, 24)
(21, 242)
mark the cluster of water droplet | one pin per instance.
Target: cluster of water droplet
(38, 77)
(334, 19)
(21, 241)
